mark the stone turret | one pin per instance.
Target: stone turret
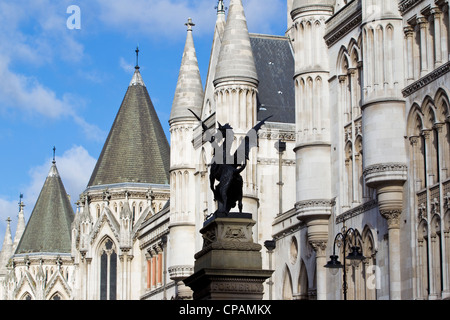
(7, 248)
(188, 95)
(236, 87)
(383, 120)
(20, 225)
(313, 141)
(46, 241)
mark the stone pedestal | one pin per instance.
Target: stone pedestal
(229, 267)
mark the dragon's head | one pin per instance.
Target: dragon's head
(223, 128)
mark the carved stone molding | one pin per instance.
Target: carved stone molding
(313, 203)
(422, 82)
(273, 161)
(357, 211)
(406, 5)
(385, 167)
(346, 24)
(385, 172)
(180, 272)
(228, 245)
(277, 135)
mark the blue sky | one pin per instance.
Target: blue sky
(63, 87)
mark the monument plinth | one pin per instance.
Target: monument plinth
(229, 266)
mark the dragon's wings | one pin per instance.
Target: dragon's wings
(251, 140)
(205, 128)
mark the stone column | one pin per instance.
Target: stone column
(390, 205)
(319, 247)
(422, 22)
(446, 263)
(409, 35)
(448, 29)
(437, 15)
(153, 271)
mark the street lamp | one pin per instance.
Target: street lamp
(270, 246)
(353, 237)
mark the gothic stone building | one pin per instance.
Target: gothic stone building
(358, 94)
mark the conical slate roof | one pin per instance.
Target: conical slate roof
(236, 57)
(49, 227)
(189, 91)
(136, 149)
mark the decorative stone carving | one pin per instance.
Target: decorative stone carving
(319, 247)
(230, 264)
(385, 168)
(392, 217)
(313, 203)
(383, 172)
(422, 211)
(180, 272)
(447, 200)
(235, 234)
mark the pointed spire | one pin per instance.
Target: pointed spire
(7, 248)
(136, 149)
(20, 224)
(208, 101)
(189, 92)
(220, 8)
(236, 60)
(7, 241)
(137, 78)
(49, 227)
(137, 58)
(220, 21)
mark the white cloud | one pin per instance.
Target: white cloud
(27, 94)
(74, 166)
(35, 33)
(160, 18)
(126, 66)
(165, 19)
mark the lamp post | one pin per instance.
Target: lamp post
(270, 246)
(353, 237)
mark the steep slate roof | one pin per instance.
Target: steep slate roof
(49, 227)
(136, 149)
(274, 62)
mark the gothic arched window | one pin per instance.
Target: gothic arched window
(108, 271)
(428, 128)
